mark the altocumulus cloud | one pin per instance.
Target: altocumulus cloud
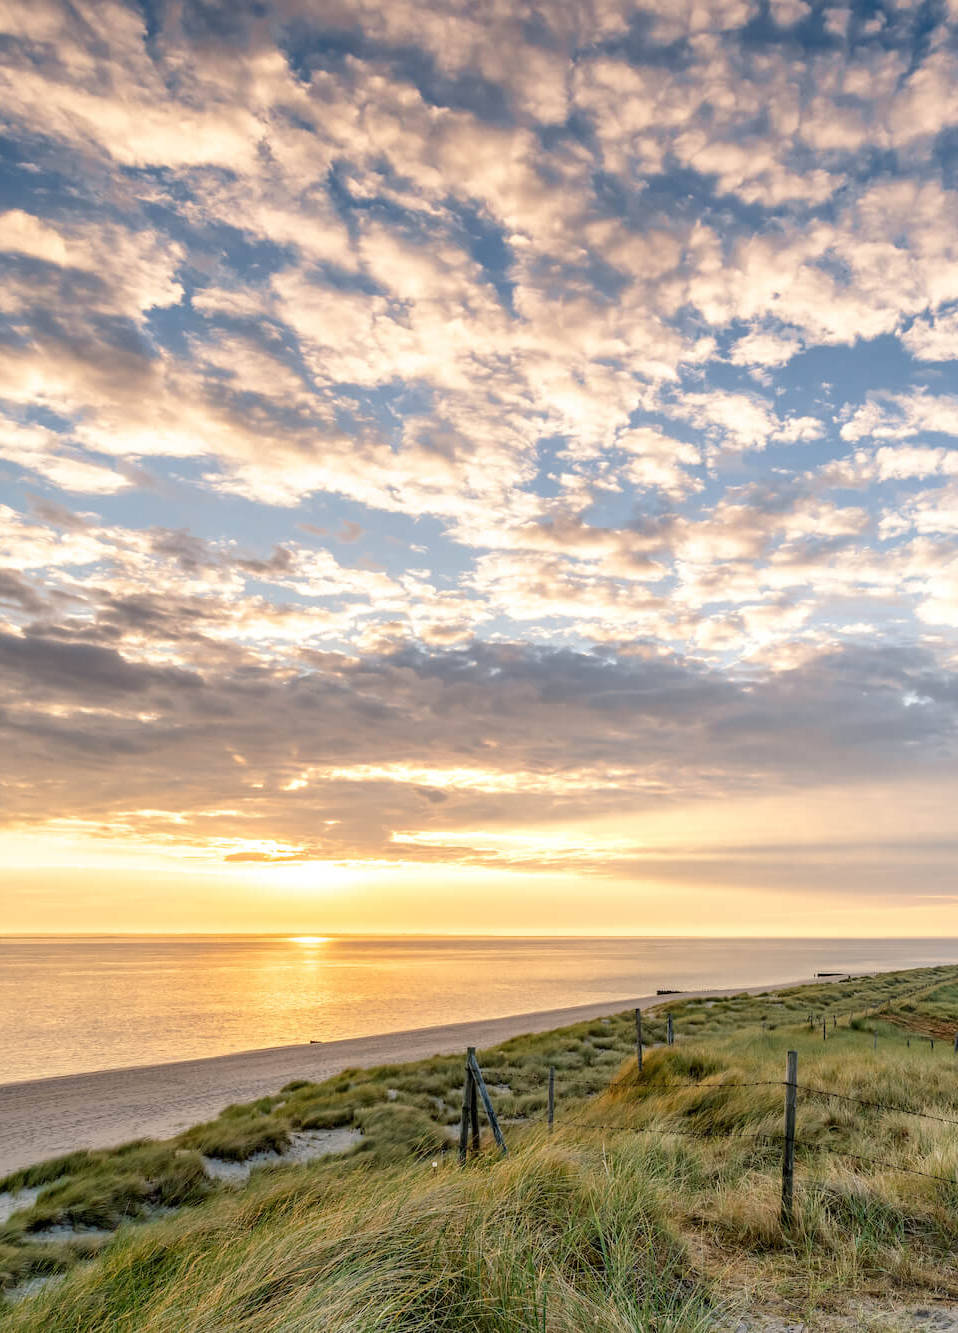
(427, 419)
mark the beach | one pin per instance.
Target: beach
(44, 1118)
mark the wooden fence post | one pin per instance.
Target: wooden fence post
(464, 1117)
(824, 1028)
(486, 1100)
(638, 1039)
(788, 1160)
(669, 1031)
(552, 1094)
(874, 1039)
(474, 1116)
(956, 1043)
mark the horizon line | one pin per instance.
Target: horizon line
(431, 935)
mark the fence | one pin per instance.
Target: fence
(871, 1010)
(788, 1140)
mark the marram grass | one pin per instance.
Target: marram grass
(654, 1205)
(559, 1236)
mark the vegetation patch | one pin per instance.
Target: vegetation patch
(653, 1204)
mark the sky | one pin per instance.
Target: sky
(479, 465)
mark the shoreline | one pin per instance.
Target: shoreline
(47, 1117)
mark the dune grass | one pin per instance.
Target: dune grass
(552, 1233)
(654, 1204)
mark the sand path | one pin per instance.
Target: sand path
(45, 1117)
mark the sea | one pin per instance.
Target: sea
(71, 1004)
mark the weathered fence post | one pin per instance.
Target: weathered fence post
(824, 1028)
(874, 1039)
(669, 1030)
(464, 1117)
(638, 1039)
(474, 1116)
(788, 1160)
(486, 1100)
(552, 1094)
(956, 1043)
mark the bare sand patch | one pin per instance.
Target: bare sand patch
(307, 1146)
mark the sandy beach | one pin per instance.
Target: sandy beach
(46, 1117)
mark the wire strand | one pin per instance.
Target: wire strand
(877, 1161)
(696, 1083)
(732, 1136)
(878, 1106)
(680, 1131)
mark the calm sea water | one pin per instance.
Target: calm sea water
(74, 1004)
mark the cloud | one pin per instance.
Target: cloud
(478, 415)
(47, 454)
(83, 668)
(740, 420)
(110, 268)
(657, 460)
(933, 337)
(360, 746)
(900, 416)
(764, 348)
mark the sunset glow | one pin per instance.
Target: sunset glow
(476, 467)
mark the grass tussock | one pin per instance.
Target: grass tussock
(654, 1204)
(553, 1238)
(112, 1188)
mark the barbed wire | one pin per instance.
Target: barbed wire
(736, 1137)
(878, 1106)
(632, 1081)
(682, 1131)
(876, 1161)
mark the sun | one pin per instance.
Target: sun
(309, 939)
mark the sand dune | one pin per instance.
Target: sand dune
(45, 1117)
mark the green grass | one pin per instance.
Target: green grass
(654, 1205)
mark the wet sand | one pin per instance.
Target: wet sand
(46, 1117)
